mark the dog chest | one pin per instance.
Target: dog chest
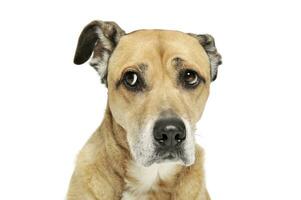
(140, 181)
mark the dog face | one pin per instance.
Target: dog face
(158, 83)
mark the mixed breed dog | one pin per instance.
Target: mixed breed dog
(158, 83)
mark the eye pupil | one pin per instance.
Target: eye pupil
(191, 77)
(131, 78)
(133, 81)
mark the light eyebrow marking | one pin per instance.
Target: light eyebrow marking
(177, 62)
(142, 67)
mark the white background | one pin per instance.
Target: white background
(251, 126)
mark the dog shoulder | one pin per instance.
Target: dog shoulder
(88, 174)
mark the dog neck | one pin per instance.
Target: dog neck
(117, 132)
(115, 143)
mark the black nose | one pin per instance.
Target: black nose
(169, 132)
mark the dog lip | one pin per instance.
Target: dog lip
(169, 156)
(168, 149)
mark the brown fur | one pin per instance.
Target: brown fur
(102, 168)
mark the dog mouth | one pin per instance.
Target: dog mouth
(159, 155)
(169, 156)
(176, 156)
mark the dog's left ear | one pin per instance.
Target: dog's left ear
(101, 38)
(207, 41)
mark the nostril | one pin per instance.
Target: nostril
(161, 138)
(178, 138)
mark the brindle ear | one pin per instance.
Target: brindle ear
(207, 41)
(100, 38)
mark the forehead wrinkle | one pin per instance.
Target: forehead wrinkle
(161, 48)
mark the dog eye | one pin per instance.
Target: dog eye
(190, 78)
(132, 81)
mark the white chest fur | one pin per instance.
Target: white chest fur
(140, 180)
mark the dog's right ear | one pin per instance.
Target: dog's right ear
(100, 38)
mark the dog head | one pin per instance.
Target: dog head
(158, 84)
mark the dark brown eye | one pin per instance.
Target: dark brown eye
(190, 79)
(132, 81)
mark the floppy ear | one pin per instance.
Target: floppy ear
(100, 38)
(207, 41)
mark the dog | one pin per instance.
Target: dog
(158, 83)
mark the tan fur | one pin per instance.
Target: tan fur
(104, 168)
